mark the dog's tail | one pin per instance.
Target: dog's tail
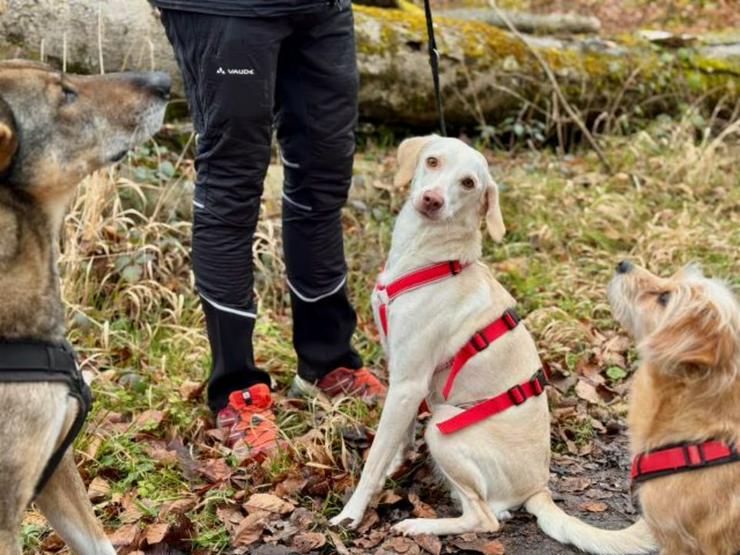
(567, 529)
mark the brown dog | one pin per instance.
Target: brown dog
(685, 410)
(54, 130)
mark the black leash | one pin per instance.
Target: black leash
(434, 62)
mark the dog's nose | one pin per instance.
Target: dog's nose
(157, 82)
(432, 201)
(624, 266)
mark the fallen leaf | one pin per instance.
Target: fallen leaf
(156, 533)
(594, 507)
(371, 540)
(215, 470)
(308, 541)
(178, 506)
(400, 544)
(369, 520)
(98, 489)
(388, 497)
(587, 392)
(339, 546)
(149, 419)
(248, 531)
(190, 390)
(480, 545)
(124, 536)
(290, 486)
(268, 502)
(421, 509)
(429, 543)
(230, 517)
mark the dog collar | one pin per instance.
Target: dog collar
(682, 457)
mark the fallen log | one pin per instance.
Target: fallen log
(487, 74)
(545, 24)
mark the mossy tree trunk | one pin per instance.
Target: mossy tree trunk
(487, 74)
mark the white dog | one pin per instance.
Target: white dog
(490, 430)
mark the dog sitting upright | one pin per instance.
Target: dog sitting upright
(684, 415)
(452, 337)
(54, 130)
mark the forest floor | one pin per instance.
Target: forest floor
(159, 478)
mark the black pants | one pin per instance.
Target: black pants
(240, 75)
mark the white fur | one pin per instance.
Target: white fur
(501, 463)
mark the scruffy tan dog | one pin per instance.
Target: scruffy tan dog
(453, 339)
(54, 130)
(685, 410)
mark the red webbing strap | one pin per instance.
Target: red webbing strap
(421, 277)
(479, 342)
(680, 458)
(412, 280)
(515, 396)
(383, 313)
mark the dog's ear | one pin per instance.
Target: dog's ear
(492, 211)
(8, 136)
(408, 157)
(695, 338)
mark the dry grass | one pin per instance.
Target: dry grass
(139, 330)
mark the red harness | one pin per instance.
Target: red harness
(480, 341)
(681, 458)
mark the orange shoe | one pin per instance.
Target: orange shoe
(249, 423)
(344, 381)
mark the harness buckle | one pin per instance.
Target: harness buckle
(517, 395)
(511, 318)
(479, 341)
(539, 382)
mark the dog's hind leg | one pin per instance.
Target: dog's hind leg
(64, 502)
(476, 517)
(465, 479)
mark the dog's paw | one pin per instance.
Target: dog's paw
(414, 527)
(346, 519)
(503, 516)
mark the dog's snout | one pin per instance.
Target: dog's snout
(156, 82)
(624, 267)
(432, 201)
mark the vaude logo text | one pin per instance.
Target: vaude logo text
(231, 71)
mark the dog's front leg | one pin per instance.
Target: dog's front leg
(399, 411)
(64, 502)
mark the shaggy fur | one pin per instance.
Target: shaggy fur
(500, 463)
(54, 130)
(687, 389)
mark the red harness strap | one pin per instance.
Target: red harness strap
(515, 396)
(681, 458)
(480, 342)
(413, 280)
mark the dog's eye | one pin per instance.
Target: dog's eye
(69, 95)
(467, 183)
(663, 298)
(432, 162)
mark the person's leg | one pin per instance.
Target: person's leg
(317, 111)
(228, 67)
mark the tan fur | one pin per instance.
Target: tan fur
(49, 141)
(687, 388)
(502, 462)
